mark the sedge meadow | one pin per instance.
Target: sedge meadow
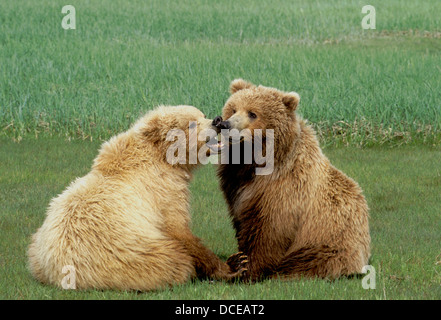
(373, 96)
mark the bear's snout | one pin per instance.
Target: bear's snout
(220, 124)
(225, 125)
(217, 121)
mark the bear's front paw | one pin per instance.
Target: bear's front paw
(238, 262)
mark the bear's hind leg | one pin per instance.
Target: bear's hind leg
(321, 261)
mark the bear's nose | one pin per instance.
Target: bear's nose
(217, 121)
(225, 125)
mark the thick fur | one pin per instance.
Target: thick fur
(306, 218)
(125, 225)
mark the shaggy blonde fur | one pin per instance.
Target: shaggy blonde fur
(125, 225)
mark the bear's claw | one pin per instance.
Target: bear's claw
(238, 262)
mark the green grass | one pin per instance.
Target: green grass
(401, 185)
(358, 87)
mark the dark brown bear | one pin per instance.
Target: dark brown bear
(303, 218)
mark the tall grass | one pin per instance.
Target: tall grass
(357, 86)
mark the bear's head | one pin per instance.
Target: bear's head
(182, 134)
(257, 107)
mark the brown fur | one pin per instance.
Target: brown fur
(306, 218)
(125, 225)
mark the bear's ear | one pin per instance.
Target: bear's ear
(152, 130)
(240, 84)
(291, 100)
(152, 134)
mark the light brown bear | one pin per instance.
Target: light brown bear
(125, 225)
(305, 218)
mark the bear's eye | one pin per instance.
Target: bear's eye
(192, 124)
(234, 111)
(252, 115)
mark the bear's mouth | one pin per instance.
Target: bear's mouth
(235, 140)
(215, 144)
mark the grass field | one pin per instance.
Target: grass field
(372, 95)
(405, 223)
(357, 86)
